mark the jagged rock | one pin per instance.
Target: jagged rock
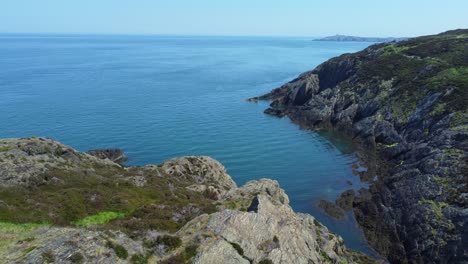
(24, 161)
(220, 252)
(209, 174)
(331, 209)
(412, 113)
(115, 155)
(269, 231)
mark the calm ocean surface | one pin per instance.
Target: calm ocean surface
(158, 97)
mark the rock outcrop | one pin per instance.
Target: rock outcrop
(58, 205)
(115, 155)
(406, 103)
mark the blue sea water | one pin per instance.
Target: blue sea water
(158, 97)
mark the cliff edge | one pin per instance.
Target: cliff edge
(406, 103)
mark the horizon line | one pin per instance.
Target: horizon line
(183, 34)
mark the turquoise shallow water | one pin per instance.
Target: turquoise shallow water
(158, 97)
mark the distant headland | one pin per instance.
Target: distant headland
(360, 39)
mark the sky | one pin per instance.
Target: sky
(373, 18)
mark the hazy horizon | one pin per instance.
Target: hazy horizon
(296, 18)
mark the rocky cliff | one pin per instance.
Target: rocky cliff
(58, 205)
(406, 103)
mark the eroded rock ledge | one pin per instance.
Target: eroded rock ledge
(406, 103)
(60, 205)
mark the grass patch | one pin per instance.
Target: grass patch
(4, 149)
(453, 152)
(390, 145)
(171, 242)
(100, 218)
(317, 223)
(119, 250)
(6, 227)
(11, 233)
(190, 251)
(436, 207)
(325, 257)
(139, 259)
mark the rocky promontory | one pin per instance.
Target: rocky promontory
(58, 205)
(406, 104)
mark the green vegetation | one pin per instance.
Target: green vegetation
(275, 239)
(325, 256)
(4, 149)
(119, 250)
(171, 242)
(6, 227)
(177, 259)
(265, 261)
(459, 121)
(317, 223)
(390, 145)
(442, 181)
(417, 68)
(436, 207)
(453, 152)
(83, 197)
(100, 218)
(28, 239)
(238, 248)
(438, 110)
(190, 251)
(29, 249)
(138, 259)
(456, 76)
(48, 256)
(77, 258)
(16, 233)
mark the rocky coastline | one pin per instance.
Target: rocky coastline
(58, 205)
(405, 104)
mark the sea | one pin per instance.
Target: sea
(160, 97)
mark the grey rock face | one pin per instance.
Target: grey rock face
(414, 212)
(24, 161)
(272, 231)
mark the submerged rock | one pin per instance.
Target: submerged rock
(346, 199)
(332, 209)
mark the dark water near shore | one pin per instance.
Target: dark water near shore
(158, 97)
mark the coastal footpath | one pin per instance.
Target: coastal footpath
(405, 104)
(58, 205)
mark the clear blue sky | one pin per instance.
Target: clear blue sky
(235, 17)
